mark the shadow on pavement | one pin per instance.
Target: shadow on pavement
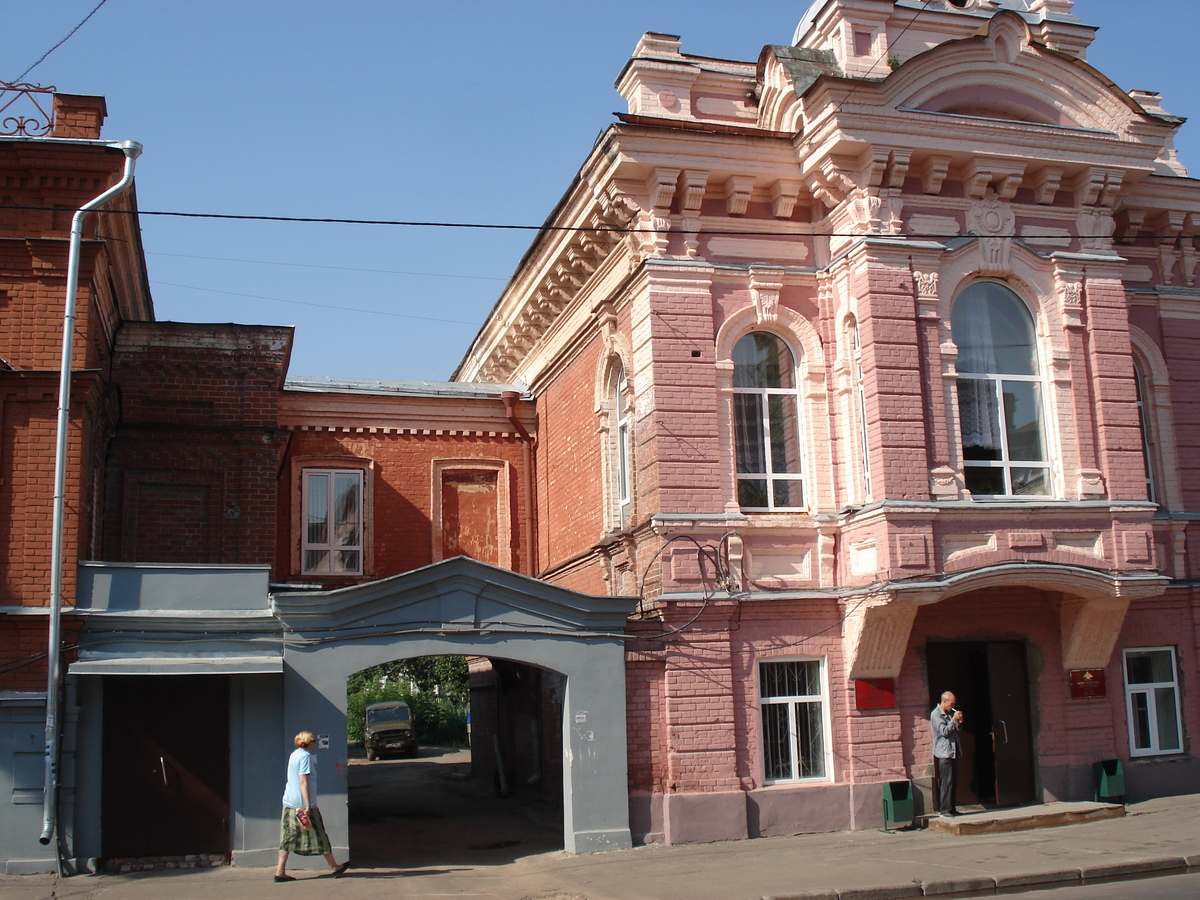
(422, 812)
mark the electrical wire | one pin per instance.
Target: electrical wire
(30, 660)
(578, 229)
(862, 79)
(70, 34)
(718, 558)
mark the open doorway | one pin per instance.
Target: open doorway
(990, 682)
(482, 784)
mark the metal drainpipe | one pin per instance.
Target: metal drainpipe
(510, 399)
(132, 150)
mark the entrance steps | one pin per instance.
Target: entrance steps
(977, 820)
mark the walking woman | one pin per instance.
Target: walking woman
(301, 829)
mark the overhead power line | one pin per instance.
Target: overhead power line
(70, 33)
(581, 229)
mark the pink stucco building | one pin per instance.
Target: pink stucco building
(870, 365)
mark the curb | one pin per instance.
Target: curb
(984, 885)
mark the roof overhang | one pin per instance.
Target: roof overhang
(134, 664)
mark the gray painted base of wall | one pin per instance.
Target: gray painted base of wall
(1144, 779)
(779, 811)
(645, 818)
(766, 812)
(29, 866)
(599, 841)
(81, 866)
(704, 817)
(22, 770)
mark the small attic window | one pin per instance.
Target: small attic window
(862, 42)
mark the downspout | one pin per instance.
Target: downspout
(132, 150)
(510, 399)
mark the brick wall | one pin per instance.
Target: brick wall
(570, 469)
(192, 470)
(400, 494)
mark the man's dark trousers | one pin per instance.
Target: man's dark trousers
(947, 770)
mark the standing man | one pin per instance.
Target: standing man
(944, 723)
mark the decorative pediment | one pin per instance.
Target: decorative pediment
(456, 595)
(1006, 73)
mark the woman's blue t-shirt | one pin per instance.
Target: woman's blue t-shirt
(299, 763)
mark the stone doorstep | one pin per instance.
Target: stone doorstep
(1024, 818)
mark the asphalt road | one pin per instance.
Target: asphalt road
(1166, 887)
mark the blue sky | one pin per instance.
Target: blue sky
(463, 111)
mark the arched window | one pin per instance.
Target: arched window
(766, 424)
(622, 434)
(1148, 454)
(1000, 407)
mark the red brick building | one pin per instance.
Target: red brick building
(198, 481)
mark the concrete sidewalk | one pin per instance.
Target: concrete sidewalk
(1153, 838)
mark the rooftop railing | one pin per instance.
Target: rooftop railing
(26, 110)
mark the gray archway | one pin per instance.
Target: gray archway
(464, 607)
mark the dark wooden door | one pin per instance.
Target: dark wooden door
(165, 783)
(1012, 736)
(990, 682)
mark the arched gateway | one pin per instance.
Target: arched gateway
(464, 607)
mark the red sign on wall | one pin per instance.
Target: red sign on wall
(1087, 683)
(874, 693)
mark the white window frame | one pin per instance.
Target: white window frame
(770, 476)
(330, 546)
(995, 382)
(792, 703)
(624, 459)
(1150, 690)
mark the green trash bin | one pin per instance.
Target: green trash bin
(1110, 781)
(897, 803)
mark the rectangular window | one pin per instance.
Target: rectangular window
(1152, 701)
(332, 543)
(793, 706)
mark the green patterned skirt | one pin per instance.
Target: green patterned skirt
(310, 841)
